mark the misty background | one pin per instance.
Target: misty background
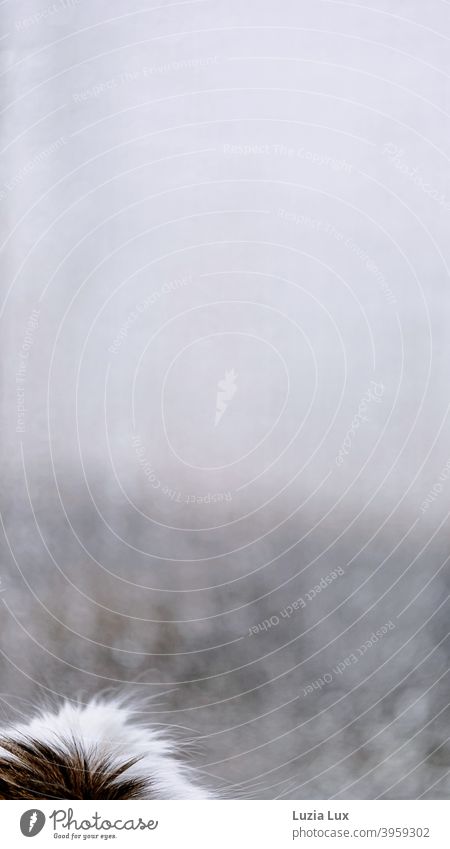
(224, 364)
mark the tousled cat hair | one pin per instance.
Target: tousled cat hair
(92, 751)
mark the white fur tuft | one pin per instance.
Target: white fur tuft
(107, 728)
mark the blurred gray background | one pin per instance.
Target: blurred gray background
(224, 363)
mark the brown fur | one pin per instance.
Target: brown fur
(36, 771)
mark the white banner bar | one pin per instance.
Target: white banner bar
(224, 824)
